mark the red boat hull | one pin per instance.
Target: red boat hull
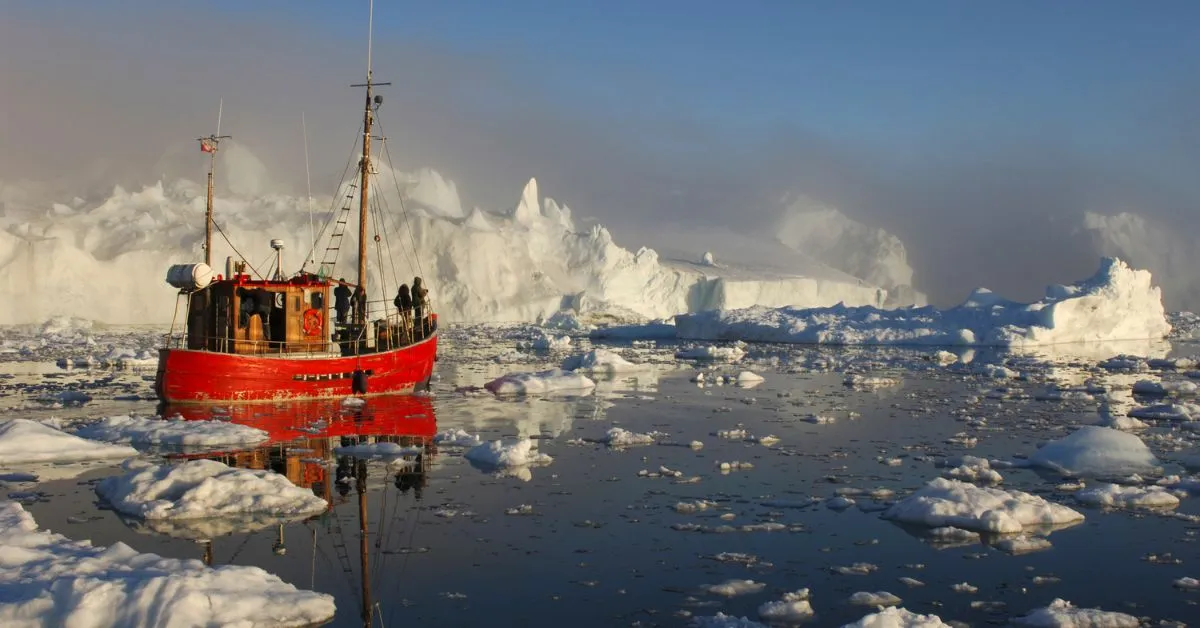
(191, 376)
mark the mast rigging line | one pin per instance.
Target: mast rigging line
(334, 203)
(400, 198)
(403, 210)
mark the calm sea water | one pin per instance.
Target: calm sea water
(596, 542)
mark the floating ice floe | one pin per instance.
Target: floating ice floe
(205, 489)
(877, 598)
(501, 454)
(544, 382)
(620, 437)
(548, 342)
(793, 607)
(732, 588)
(173, 431)
(1168, 412)
(23, 441)
(1096, 451)
(1162, 389)
(1116, 303)
(870, 381)
(50, 580)
(896, 617)
(378, 450)
(1117, 421)
(726, 354)
(600, 361)
(749, 380)
(944, 502)
(1062, 614)
(1022, 544)
(457, 438)
(655, 330)
(721, 620)
(973, 469)
(1127, 496)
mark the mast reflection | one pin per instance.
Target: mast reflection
(304, 439)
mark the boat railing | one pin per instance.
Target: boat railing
(387, 329)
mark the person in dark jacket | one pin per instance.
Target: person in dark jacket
(341, 300)
(419, 302)
(403, 303)
(358, 303)
(403, 300)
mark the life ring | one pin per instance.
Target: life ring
(312, 322)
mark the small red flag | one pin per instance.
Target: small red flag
(208, 146)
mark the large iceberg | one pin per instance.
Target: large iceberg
(107, 260)
(1171, 252)
(1117, 303)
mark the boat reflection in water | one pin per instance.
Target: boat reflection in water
(302, 444)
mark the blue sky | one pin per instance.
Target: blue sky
(885, 74)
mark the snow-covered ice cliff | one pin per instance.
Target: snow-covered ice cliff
(1116, 303)
(106, 261)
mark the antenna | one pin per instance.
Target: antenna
(308, 184)
(370, 32)
(209, 145)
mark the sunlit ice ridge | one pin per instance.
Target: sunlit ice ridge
(105, 259)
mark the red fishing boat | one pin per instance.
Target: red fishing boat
(247, 337)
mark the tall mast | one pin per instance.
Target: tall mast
(209, 145)
(364, 173)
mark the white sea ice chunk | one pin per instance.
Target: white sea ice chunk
(1062, 614)
(377, 450)
(205, 488)
(551, 381)
(732, 588)
(620, 437)
(1023, 544)
(1127, 496)
(60, 582)
(1096, 451)
(507, 454)
(551, 342)
(725, 354)
(870, 381)
(944, 502)
(23, 441)
(973, 469)
(457, 438)
(600, 361)
(878, 598)
(171, 431)
(896, 617)
(748, 379)
(793, 607)
(721, 620)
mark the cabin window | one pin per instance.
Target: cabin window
(317, 300)
(296, 303)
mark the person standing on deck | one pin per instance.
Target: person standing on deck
(419, 302)
(404, 303)
(341, 301)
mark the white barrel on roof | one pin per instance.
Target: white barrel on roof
(189, 276)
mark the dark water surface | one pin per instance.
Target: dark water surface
(597, 547)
